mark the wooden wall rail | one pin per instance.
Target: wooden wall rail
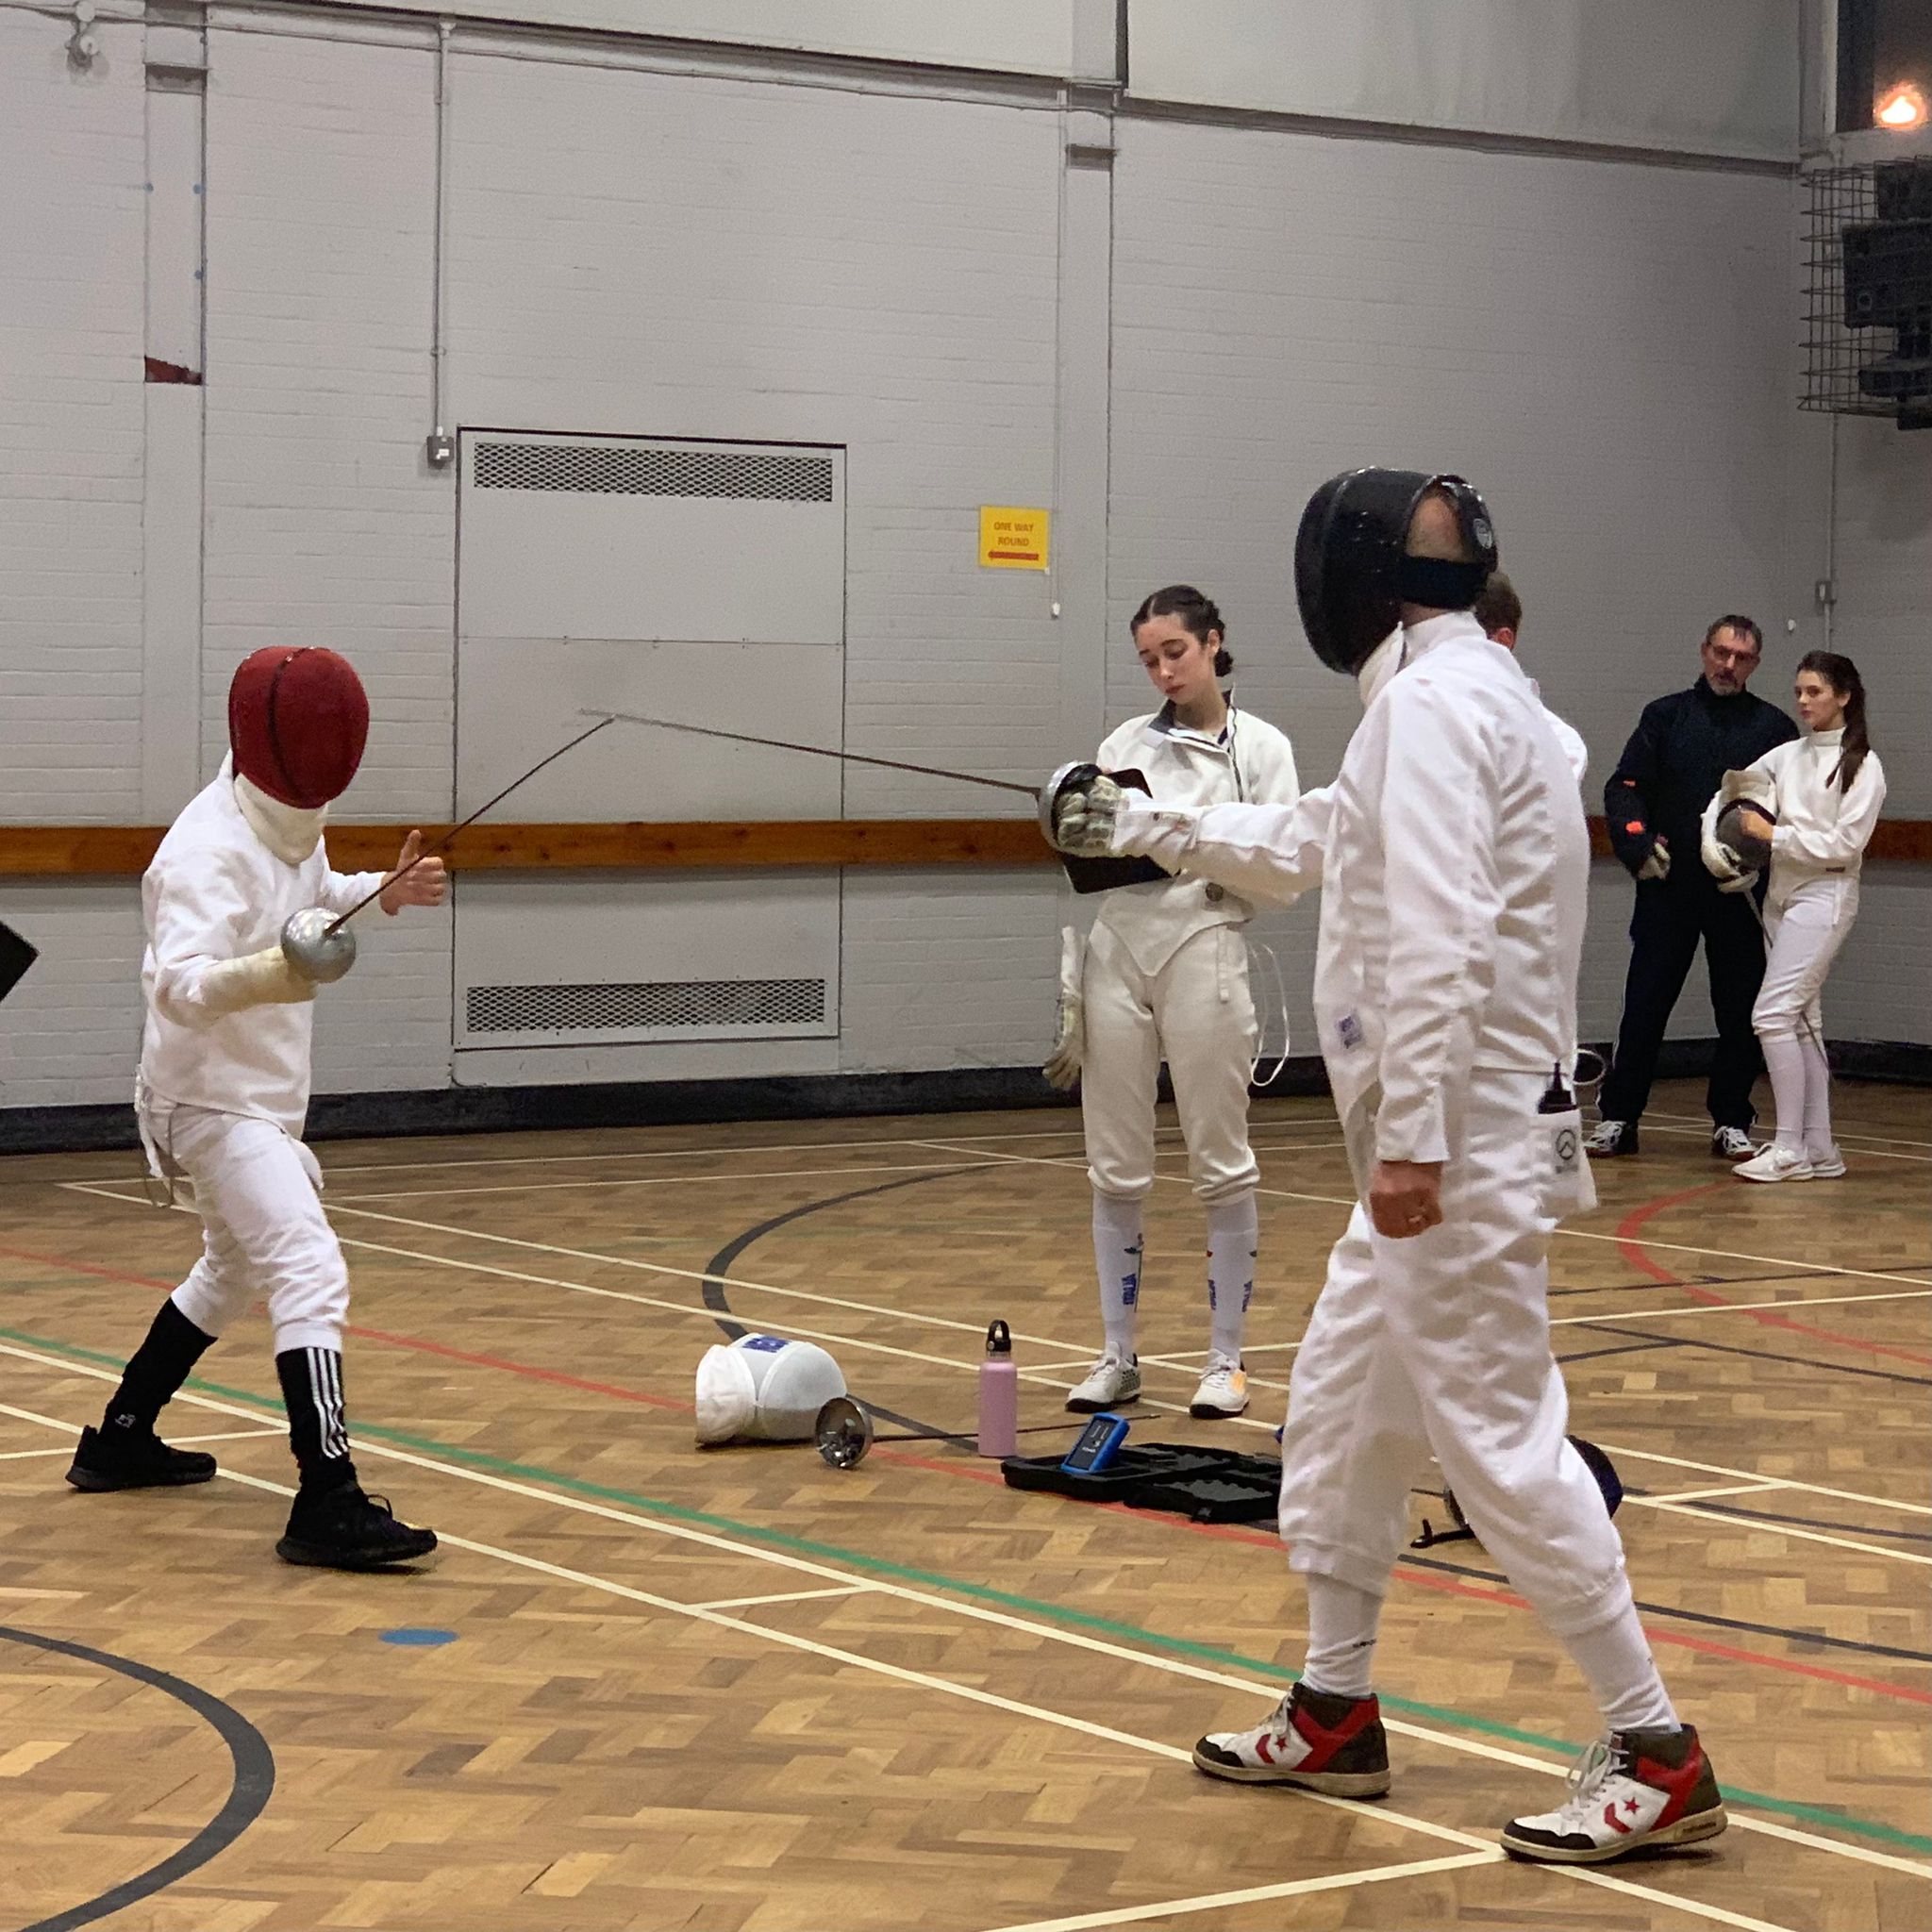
(124, 851)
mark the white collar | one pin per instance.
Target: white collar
(1433, 632)
(289, 831)
(1829, 741)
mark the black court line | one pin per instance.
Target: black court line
(721, 1264)
(251, 1785)
(714, 1287)
(1805, 1639)
(1766, 1354)
(1590, 1354)
(1718, 1507)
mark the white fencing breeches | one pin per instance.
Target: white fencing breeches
(1198, 1013)
(264, 1229)
(1805, 926)
(1441, 1345)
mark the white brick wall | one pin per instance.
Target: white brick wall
(1601, 348)
(1605, 347)
(72, 156)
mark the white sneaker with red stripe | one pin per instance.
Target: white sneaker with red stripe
(1312, 1739)
(1629, 1789)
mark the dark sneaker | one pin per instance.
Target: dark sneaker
(1732, 1143)
(135, 1459)
(1629, 1789)
(1322, 1744)
(1608, 1138)
(343, 1529)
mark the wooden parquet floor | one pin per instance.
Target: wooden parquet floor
(736, 1690)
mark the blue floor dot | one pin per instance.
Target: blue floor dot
(419, 1638)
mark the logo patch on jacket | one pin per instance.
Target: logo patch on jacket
(1350, 1028)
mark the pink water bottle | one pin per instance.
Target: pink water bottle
(999, 1395)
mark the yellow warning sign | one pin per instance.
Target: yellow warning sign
(1011, 537)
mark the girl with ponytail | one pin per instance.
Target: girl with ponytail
(1164, 976)
(1819, 799)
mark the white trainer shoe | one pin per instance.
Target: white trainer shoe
(1224, 1390)
(1827, 1166)
(1111, 1380)
(1629, 1789)
(1775, 1163)
(1321, 1743)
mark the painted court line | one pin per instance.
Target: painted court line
(784, 1596)
(1844, 1133)
(1744, 1526)
(846, 1341)
(1575, 1234)
(1255, 1894)
(659, 1180)
(971, 1693)
(370, 1443)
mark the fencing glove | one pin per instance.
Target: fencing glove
(1084, 817)
(1062, 1068)
(1656, 864)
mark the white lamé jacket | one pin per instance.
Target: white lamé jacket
(1252, 761)
(1822, 832)
(215, 892)
(1454, 860)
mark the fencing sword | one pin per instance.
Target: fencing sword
(1075, 776)
(322, 949)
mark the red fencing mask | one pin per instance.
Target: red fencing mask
(297, 720)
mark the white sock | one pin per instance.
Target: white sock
(1784, 1060)
(1234, 1236)
(1622, 1676)
(1342, 1636)
(1817, 1099)
(1117, 1263)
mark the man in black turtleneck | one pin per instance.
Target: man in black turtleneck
(1682, 747)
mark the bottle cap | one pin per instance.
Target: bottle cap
(999, 1339)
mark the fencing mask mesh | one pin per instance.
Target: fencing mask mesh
(1352, 573)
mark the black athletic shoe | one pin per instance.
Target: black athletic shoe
(343, 1529)
(1608, 1138)
(135, 1459)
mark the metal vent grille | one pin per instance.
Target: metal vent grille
(630, 470)
(646, 1006)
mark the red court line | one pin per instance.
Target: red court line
(1450, 1586)
(1633, 1251)
(1421, 1579)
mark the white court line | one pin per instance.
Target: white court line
(1575, 1234)
(659, 1180)
(1253, 1894)
(847, 1341)
(1864, 1152)
(1078, 1640)
(1713, 1520)
(784, 1596)
(179, 1441)
(1844, 1133)
(1727, 1490)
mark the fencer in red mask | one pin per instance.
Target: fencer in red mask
(223, 1095)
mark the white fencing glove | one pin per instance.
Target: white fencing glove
(1657, 865)
(259, 979)
(1084, 817)
(1062, 1068)
(1722, 864)
(1741, 882)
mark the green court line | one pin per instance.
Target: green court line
(931, 1579)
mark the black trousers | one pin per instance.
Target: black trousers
(1668, 921)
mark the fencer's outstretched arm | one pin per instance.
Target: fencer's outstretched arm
(1271, 853)
(201, 913)
(1444, 897)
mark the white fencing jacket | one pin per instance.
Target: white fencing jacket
(215, 892)
(1251, 761)
(1821, 831)
(1456, 861)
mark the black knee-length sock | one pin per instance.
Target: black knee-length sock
(312, 1380)
(160, 1366)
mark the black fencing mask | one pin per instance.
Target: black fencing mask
(1351, 576)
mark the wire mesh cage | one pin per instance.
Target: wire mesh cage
(1868, 315)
